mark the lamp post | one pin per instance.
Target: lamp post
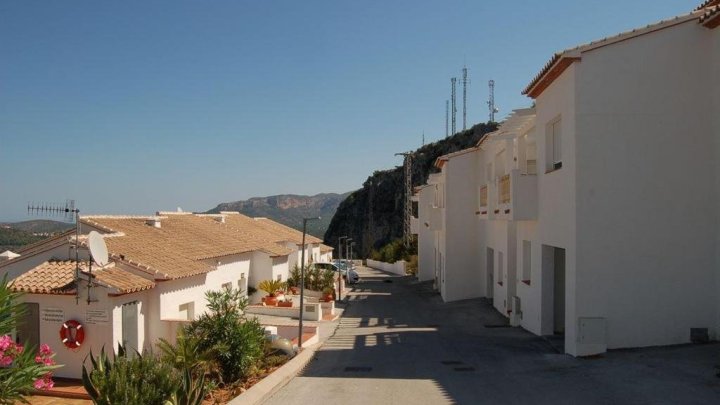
(340, 239)
(351, 250)
(347, 249)
(302, 280)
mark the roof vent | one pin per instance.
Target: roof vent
(220, 218)
(154, 222)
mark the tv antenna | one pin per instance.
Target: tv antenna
(491, 101)
(69, 213)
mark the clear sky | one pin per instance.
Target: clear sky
(138, 106)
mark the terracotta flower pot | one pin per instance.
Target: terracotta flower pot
(327, 297)
(271, 301)
(285, 304)
(294, 290)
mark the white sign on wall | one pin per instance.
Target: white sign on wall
(97, 316)
(53, 315)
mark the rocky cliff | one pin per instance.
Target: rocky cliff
(372, 216)
(289, 209)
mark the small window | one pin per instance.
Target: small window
(279, 277)
(526, 254)
(554, 145)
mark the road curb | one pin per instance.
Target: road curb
(269, 385)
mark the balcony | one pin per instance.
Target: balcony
(517, 196)
(437, 218)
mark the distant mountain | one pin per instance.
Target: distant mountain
(40, 226)
(290, 209)
(14, 236)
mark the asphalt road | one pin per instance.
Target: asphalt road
(397, 343)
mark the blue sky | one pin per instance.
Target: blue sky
(137, 106)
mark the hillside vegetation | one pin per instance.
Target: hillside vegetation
(373, 215)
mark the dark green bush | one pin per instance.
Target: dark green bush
(238, 342)
(133, 379)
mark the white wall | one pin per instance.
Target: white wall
(464, 273)
(646, 208)
(396, 268)
(97, 335)
(426, 237)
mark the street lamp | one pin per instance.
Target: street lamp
(302, 279)
(347, 248)
(340, 239)
(351, 250)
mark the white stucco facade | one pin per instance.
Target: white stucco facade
(601, 213)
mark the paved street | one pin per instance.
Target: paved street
(397, 343)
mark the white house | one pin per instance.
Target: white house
(160, 269)
(597, 210)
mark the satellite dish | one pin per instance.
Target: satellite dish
(98, 248)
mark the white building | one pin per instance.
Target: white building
(604, 228)
(160, 269)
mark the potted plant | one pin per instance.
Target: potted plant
(328, 293)
(270, 287)
(287, 303)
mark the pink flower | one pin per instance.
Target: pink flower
(5, 342)
(5, 361)
(39, 384)
(45, 350)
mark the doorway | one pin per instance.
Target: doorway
(490, 269)
(28, 328)
(130, 326)
(553, 290)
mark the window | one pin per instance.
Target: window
(554, 145)
(483, 196)
(530, 155)
(526, 262)
(187, 311)
(279, 277)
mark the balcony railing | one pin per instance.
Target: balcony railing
(504, 189)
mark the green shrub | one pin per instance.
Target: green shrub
(132, 380)
(271, 286)
(238, 342)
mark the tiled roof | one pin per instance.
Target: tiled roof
(124, 281)
(179, 247)
(325, 248)
(276, 232)
(561, 60)
(57, 277)
(711, 16)
(707, 3)
(53, 277)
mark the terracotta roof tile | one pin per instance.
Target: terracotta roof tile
(180, 246)
(711, 17)
(51, 277)
(325, 248)
(124, 281)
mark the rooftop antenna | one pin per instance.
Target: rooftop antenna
(453, 110)
(423, 144)
(491, 101)
(465, 84)
(69, 214)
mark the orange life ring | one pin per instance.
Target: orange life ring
(72, 334)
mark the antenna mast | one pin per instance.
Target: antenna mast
(453, 98)
(491, 100)
(69, 213)
(465, 83)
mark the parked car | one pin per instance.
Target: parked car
(350, 275)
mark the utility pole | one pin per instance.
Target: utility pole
(453, 100)
(464, 83)
(407, 166)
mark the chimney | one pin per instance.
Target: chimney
(154, 222)
(220, 218)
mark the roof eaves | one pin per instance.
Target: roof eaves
(711, 17)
